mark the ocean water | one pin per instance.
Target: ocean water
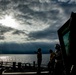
(24, 58)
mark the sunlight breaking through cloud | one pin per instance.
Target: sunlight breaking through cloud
(33, 23)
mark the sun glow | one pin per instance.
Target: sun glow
(9, 21)
(4, 58)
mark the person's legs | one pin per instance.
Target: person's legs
(39, 65)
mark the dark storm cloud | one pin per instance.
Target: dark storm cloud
(8, 31)
(48, 33)
(18, 32)
(4, 29)
(15, 48)
(24, 16)
(3, 4)
(23, 8)
(65, 1)
(68, 7)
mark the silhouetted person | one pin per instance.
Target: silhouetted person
(51, 62)
(39, 59)
(58, 61)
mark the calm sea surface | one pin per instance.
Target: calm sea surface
(24, 58)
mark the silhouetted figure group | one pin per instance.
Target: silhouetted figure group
(55, 65)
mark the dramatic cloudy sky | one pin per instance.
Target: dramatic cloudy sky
(26, 25)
